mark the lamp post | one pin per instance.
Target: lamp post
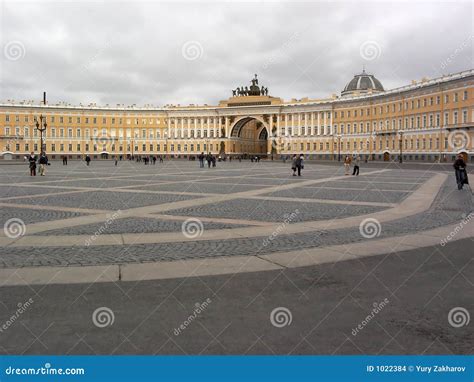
(400, 134)
(41, 127)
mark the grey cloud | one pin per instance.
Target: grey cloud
(131, 52)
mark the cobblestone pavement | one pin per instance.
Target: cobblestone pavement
(318, 309)
(323, 310)
(103, 186)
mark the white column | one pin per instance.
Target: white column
(325, 123)
(278, 125)
(319, 123)
(201, 126)
(330, 123)
(299, 124)
(195, 127)
(189, 127)
(312, 123)
(227, 132)
(182, 127)
(286, 125)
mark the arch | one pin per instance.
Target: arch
(236, 127)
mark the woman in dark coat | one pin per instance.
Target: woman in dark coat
(32, 164)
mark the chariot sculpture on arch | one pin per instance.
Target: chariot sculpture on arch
(253, 90)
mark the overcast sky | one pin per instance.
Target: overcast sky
(195, 52)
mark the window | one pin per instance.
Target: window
(455, 97)
(78, 119)
(464, 97)
(69, 134)
(94, 120)
(7, 118)
(70, 119)
(78, 133)
(61, 119)
(446, 98)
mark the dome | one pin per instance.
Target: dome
(362, 83)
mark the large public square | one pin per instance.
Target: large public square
(243, 258)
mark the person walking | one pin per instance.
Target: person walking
(43, 162)
(32, 163)
(356, 165)
(88, 159)
(300, 163)
(460, 171)
(209, 160)
(294, 164)
(116, 161)
(201, 160)
(347, 165)
(161, 158)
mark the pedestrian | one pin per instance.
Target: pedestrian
(32, 164)
(88, 159)
(213, 158)
(201, 159)
(300, 164)
(209, 160)
(43, 162)
(460, 171)
(116, 161)
(161, 158)
(294, 164)
(356, 165)
(347, 165)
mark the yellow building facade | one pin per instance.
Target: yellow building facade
(430, 120)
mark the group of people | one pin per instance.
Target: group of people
(208, 158)
(348, 161)
(42, 161)
(297, 164)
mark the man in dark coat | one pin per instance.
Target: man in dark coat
(460, 171)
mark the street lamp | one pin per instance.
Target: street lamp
(400, 134)
(41, 126)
